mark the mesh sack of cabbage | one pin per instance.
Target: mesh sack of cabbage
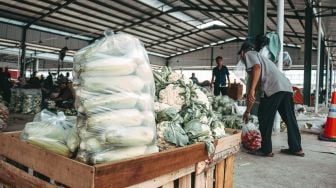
(115, 100)
(53, 132)
(251, 137)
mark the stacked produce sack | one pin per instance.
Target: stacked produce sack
(53, 132)
(26, 101)
(114, 99)
(3, 115)
(183, 112)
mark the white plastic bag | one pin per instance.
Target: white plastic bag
(115, 100)
(287, 60)
(54, 132)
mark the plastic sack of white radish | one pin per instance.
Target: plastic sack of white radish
(251, 137)
(115, 99)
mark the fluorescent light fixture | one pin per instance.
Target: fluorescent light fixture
(230, 39)
(213, 43)
(178, 53)
(179, 15)
(192, 49)
(11, 21)
(185, 51)
(220, 42)
(199, 47)
(242, 38)
(157, 54)
(211, 23)
(55, 31)
(207, 45)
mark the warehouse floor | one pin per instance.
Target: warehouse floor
(316, 170)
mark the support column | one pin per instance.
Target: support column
(307, 54)
(256, 17)
(322, 59)
(212, 57)
(256, 26)
(317, 88)
(327, 81)
(23, 53)
(280, 29)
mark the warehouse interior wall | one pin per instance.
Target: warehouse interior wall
(202, 58)
(155, 60)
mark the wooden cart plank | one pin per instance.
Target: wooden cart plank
(228, 179)
(166, 179)
(200, 180)
(13, 176)
(209, 177)
(59, 168)
(185, 182)
(144, 168)
(220, 174)
(169, 185)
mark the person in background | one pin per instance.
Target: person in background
(7, 74)
(47, 87)
(67, 77)
(34, 82)
(219, 75)
(65, 98)
(5, 87)
(277, 95)
(194, 79)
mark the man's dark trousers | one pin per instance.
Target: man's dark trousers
(282, 102)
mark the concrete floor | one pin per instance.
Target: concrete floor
(316, 170)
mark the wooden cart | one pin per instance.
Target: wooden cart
(24, 165)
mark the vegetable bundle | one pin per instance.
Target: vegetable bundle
(183, 112)
(251, 137)
(53, 132)
(115, 100)
(3, 116)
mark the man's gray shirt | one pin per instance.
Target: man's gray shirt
(272, 80)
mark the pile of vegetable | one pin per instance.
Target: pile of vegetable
(251, 137)
(56, 133)
(3, 116)
(183, 112)
(115, 99)
(26, 101)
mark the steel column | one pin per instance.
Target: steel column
(212, 57)
(256, 17)
(256, 26)
(327, 81)
(307, 54)
(322, 59)
(317, 88)
(23, 52)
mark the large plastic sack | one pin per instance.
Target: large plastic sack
(287, 60)
(54, 132)
(115, 99)
(251, 137)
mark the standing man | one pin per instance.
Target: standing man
(277, 95)
(219, 75)
(194, 79)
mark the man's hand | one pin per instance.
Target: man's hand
(246, 117)
(251, 96)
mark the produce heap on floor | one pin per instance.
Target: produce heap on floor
(3, 115)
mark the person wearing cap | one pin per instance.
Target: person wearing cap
(277, 95)
(219, 75)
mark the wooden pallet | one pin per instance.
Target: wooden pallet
(184, 167)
